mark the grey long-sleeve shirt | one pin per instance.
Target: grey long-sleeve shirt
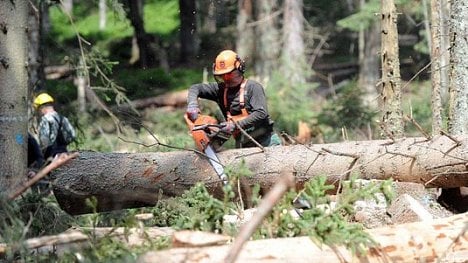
(254, 102)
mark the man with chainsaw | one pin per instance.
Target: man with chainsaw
(55, 130)
(242, 102)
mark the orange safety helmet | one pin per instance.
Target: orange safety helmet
(226, 62)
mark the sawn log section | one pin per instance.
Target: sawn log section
(122, 180)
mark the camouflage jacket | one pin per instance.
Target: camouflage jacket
(49, 130)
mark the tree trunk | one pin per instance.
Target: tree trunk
(81, 84)
(458, 89)
(442, 240)
(13, 93)
(188, 30)
(267, 45)
(293, 63)
(102, 14)
(68, 6)
(369, 67)
(206, 17)
(35, 67)
(392, 118)
(121, 180)
(135, 15)
(435, 67)
(245, 42)
(445, 48)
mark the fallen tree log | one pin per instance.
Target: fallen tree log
(79, 238)
(123, 180)
(441, 240)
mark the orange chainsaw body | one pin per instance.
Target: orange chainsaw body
(200, 136)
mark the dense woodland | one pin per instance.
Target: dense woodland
(367, 74)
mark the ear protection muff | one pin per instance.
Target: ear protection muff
(240, 64)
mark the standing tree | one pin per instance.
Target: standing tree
(458, 87)
(268, 43)
(135, 15)
(364, 21)
(35, 63)
(458, 91)
(293, 63)
(188, 30)
(102, 14)
(206, 10)
(392, 115)
(13, 93)
(435, 67)
(369, 65)
(245, 33)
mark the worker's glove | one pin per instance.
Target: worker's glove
(192, 112)
(227, 127)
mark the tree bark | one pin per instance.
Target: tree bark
(135, 14)
(392, 118)
(444, 13)
(245, 41)
(268, 38)
(68, 6)
(206, 10)
(13, 93)
(458, 89)
(35, 55)
(436, 6)
(122, 180)
(102, 14)
(293, 63)
(188, 30)
(369, 67)
(442, 240)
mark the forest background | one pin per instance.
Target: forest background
(319, 63)
(312, 78)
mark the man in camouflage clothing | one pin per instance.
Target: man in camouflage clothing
(55, 131)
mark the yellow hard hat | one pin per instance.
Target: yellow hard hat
(226, 62)
(42, 99)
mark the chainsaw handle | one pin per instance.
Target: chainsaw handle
(207, 126)
(189, 122)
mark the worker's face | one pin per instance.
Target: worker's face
(231, 79)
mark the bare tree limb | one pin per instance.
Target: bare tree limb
(268, 202)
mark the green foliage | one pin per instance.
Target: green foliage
(32, 215)
(170, 129)
(346, 110)
(196, 209)
(87, 25)
(238, 171)
(418, 106)
(161, 17)
(367, 14)
(362, 19)
(289, 103)
(63, 92)
(154, 81)
(155, 130)
(108, 248)
(323, 222)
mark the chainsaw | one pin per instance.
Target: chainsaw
(208, 137)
